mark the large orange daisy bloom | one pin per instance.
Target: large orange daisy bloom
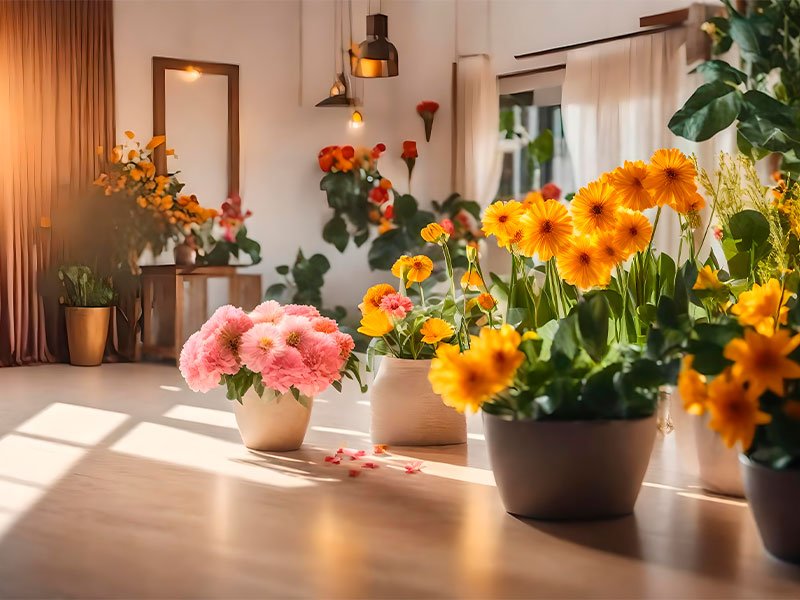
(759, 306)
(501, 220)
(582, 264)
(763, 360)
(627, 182)
(633, 231)
(671, 178)
(734, 410)
(594, 208)
(546, 228)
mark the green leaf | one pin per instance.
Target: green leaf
(768, 123)
(565, 343)
(282, 269)
(709, 110)
(719, 70)
(361, 237)
(335, 232)
(405, 207)
(541, 149)
(275, 291)
(750, 228)
(320, 263)
(593, 317)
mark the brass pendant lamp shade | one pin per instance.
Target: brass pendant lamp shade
(376, 56)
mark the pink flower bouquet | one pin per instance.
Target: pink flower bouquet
(283, 348)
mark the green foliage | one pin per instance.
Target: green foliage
(223, 251)
(766, 110)
(85, 289)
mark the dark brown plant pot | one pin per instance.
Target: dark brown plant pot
(774, 497)
(569, 469)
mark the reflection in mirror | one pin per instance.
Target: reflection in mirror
(197, 128)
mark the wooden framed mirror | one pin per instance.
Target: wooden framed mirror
(196, 106)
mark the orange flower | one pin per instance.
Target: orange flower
(627, 182)
(759, 306)
(763, 360)
(372, 299)
(582, 264)
(546, 229)
(633, 231)
(611, 251)
(734, 409)
(486, 301)
(671, 178)
(594, 208)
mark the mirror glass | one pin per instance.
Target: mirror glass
(197, 128)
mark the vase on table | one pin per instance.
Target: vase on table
(273, 423)
(184, 254)
(562, 470)
(87, 332)
(405, 409)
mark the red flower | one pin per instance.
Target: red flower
(550, 191)
(409, 150)
(388, 214)
(325, 158)
(377, 150)
(448, 226)
(378, 195)
(348, 152)
(232, 217)
(427, 106)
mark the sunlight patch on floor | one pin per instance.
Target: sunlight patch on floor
(717, 499)
(73, 423)
(205, 416)
(205, 453)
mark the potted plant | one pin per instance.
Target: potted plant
(88, 299)
(743, 371)
(272, 361)
(568, 367)
(406, 333)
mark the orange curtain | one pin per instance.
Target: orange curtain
(56, 108)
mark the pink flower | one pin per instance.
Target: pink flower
(287, 368)
(197, 379)
(267, 312)
(324, 325)
(296, 331)
(260, 345)
(396, 305)
(301, 310)
(346, 344)
(222, 335)
(322, 360)
(448, 226)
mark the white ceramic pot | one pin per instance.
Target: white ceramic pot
(274, 424)
(406, 411)
(684, 426)
(719, 465)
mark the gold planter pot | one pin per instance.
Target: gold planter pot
(87, 331)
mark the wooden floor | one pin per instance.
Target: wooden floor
(117, 482)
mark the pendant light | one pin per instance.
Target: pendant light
(376, 56)
(339, 94)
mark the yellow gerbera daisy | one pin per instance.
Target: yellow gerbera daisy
(671, 178)
(434, 330)
(610, 250)
(401, 266)
(763, 360)
(708, 279)
(501, 220)
(499, 352)
(594, 208)
(463, 382)
(532, 198)
(546, 229)
(734, 410)
(372, 299)
(627, 182)
(375, 324)
(419, 269)
(759, 306)
(692, 387)
(471, 279)
(633, 231)
(582, 264)
(434, 234)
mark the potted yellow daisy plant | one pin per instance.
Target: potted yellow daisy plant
(565, 364)
(407, 324)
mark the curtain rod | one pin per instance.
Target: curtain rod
(613, 38)
(549, 69)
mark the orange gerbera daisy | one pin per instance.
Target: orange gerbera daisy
(612, 252)
(594, 208)
(763, 360)
(501, 220)
(694, 204)
(582, 264)
(633, 231)
(627, 182)
(759, 306)
(532, 198)
(692, 387)
(671, 178)
(420, 268)
(372, 299)
(546, 228)
(734, 410)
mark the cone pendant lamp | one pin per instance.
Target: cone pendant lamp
(376, 56)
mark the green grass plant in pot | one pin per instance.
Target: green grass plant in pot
(88, 299)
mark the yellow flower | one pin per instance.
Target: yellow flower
(462, 381)
(633, 231)
(375, 324)
(372, 299)
(501, 220)
(156, 141)
(734, 410)
(671, 178)
(499, 352)
(471, 279)
(546, 229)
(434, 330)
(610, 251)
(594, 208)
(434, 234)
(129, 134)
(582, 264)
(691, 205)
(692, 387)
(385, 226)
(530, 335)
(532, 198)
(627, 183)
(401, 266)
(420, 268)
(759, 306)
(486, 301)
(763, 360)
(707, 279)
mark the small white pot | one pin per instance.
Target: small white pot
(719, 465)
(273, 424)
(406, 411)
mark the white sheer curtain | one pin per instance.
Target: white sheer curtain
(478, 156)
(617, 99)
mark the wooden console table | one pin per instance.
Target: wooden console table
(169, 317)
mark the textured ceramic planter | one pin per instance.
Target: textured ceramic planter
(774, 498)
(272, 424)
(87, 331)
(569, 469)
(406, 411)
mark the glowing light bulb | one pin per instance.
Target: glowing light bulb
(356, 120)
(192, 74)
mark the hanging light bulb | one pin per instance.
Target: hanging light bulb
(356, 120)
(191, 74)
(376, 56)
